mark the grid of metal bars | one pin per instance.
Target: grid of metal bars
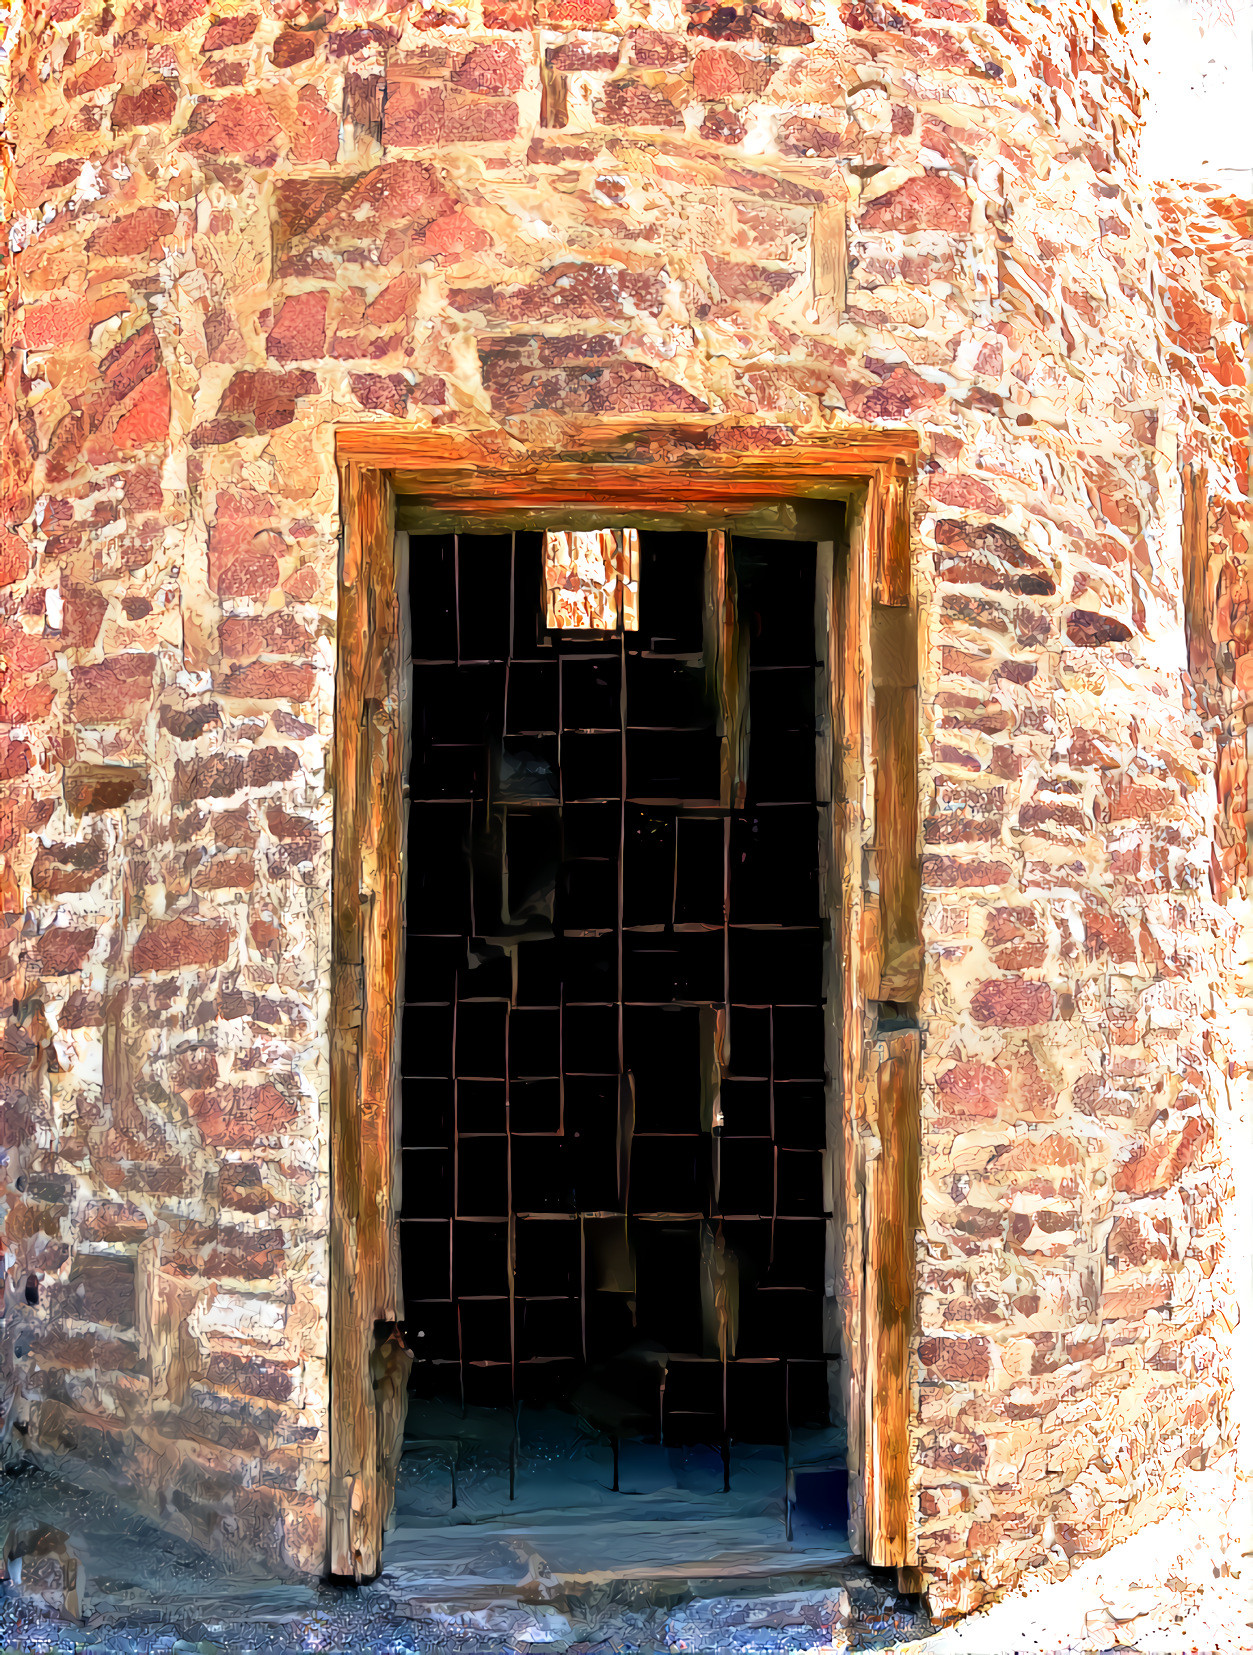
(588, 931)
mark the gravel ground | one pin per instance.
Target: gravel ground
(1183, 1586)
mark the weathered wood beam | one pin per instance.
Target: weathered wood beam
(892, 1217)
(368, 780)
(1198, 600)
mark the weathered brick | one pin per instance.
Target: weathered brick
(1010, 1003)
(241, 128)
(935, 201)
(417, 115)
(179, 944)
(230, 31)
(101, 1288)
(152, 105)
(299, 331)
(114, 690)
(956, 1359)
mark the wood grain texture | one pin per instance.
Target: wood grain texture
(846, 903)
(892, 1217)
(894, 668)
(443, 465)
(884, 1086)
(890, 533)
(726, 668)
(366, 918)
(1198, 600)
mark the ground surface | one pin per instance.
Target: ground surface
(1182, 1585)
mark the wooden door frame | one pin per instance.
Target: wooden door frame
(873, 882)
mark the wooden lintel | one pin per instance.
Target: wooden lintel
(434, 463)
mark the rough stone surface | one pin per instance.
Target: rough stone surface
(232, 230)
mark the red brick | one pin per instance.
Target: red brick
(54, 323)
(117, 1222)
(933, 202)
(60, 950)
(237, 1117)
(575, 13)
(900, 394)
(798, 135)
(421, 116)
(1091, 631)
(584, 57)
(724, 72)
(1011, 1003)
(652, 50)
(395, 301)
(250, 1376)
(220, 777)
(244, 638)
(293, 46)
(973, 1089)
(251, 576)
(147, 420)
(114, 690)
(131, 361)
(1132, 1241)
(179, 944)
(387, 392)
(494, 68)
(100, 1288)
(230, 31)
(234, 128)
(632, 103)
(103, 72)
(245, 1255)
(270, 681)
(948, 873)
(141, 231)
(960, 1360)
(966, 493)
(63, 868)
(455, 233)
(225, 873)
(1152, 1167)
(988, 555)
(722, 126)
(242, 1188)
(744, 279)
(83, 616)
(152, 105)
(299, 331)
(316, 133)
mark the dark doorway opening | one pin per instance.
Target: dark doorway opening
(617, 1048)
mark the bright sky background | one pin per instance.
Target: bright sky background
(1199, 74)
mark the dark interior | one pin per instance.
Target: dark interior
(597, 1236)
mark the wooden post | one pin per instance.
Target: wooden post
(366, 961)
(891, 1217)
(886, 1099)
(1198, 603)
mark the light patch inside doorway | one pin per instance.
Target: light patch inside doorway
(591, 580)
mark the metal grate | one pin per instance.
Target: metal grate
(614, 1107)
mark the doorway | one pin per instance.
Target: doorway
(864, 740)
(619, 1045)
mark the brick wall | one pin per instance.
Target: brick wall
(601, 225)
